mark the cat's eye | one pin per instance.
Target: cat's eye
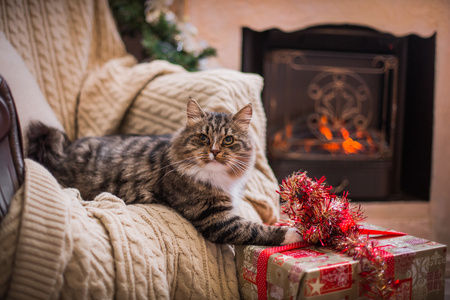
(204, 138)
(228, 140)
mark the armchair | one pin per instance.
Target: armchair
(67, 67)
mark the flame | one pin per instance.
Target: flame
(332, 147)
(345, 133)
(280, 140)
(349, 145)
(324, 129)
(364, 134)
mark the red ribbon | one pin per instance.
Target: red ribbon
(381, 232)
(263, 258)
(261, 269)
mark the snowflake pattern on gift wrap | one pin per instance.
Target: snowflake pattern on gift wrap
(276, 291)
(319, 259)
(336, 277)
(295, 254)
(295, 272)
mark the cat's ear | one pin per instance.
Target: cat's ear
(243, 117)
(194, 112)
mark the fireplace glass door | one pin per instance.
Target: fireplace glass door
(323, 105)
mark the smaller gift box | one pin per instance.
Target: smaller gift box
(313, 272)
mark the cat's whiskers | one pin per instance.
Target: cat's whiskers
(187, 160)
(165, 175)
(243, 157)
(173, 164)
(237, 166)
(236, 159)
(203, 157)
(238, 170)
(235, 170)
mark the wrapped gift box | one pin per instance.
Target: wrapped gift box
(319, 273)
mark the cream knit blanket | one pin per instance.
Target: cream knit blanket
(54, 245)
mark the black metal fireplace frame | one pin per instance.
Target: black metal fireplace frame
(409, 177)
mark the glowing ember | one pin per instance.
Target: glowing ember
(335, 140)
(324, 129)
(279, 142)
(332, 147)
(349, 145)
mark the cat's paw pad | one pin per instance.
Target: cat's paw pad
(292, 236)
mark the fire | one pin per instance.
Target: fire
(349, 145)
(332, 147)
(324, 129)
(279, 142)
(281, 137)
(338, 141)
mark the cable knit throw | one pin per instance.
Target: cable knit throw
(54, 244)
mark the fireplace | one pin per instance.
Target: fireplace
(349, 103)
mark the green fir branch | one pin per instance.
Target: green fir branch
(158, 39)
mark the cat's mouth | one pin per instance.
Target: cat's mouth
(215, 158)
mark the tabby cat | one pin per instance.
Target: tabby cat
(200, 171)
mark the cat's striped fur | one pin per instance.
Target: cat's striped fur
(200, 171)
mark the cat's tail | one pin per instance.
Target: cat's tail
(46, 145)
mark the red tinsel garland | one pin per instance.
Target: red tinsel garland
(322, 217)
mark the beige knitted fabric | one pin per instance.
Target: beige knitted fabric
(54, 245)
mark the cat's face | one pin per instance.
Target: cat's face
(215, 141)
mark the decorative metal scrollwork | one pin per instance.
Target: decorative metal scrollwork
(339, 96)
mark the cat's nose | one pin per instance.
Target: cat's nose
(215, 152)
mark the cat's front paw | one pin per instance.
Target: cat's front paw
(292, 236)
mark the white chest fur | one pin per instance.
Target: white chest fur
(217, 175)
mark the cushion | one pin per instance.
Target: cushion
(30, 102)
